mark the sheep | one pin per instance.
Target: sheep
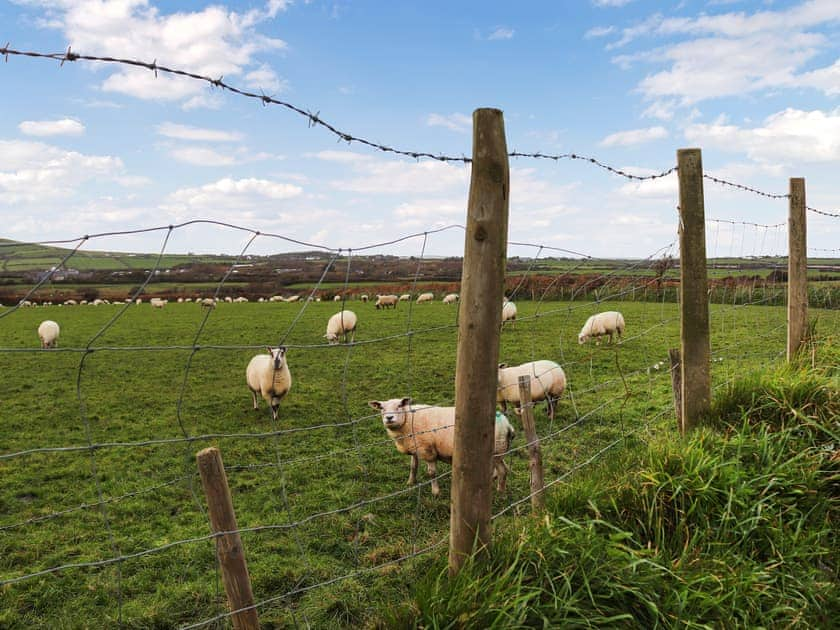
(342, 323)
(405, 297)
(208, 302)
(48, 333)
(269, 376)
(364, 297)
(548, 381)
(601, 324)
(157, 302)
(292, 298)
(337, 298)
(241, 300)
(428, 433)
(275, 298)
(450, 298)
(508, 311)
(138, 300)
(386, 301)
(425, 297)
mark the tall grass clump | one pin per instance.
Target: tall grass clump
(734, 526)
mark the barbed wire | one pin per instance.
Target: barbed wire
(750, 223)
(834, 215)
(755, 191)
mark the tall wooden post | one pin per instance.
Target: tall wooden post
(479, 322)
(797, 313)
(229, 545)
(534, 454)
(695, 339)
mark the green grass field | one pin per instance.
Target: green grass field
(147, 400)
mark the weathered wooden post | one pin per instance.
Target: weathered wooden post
(533, 441)
(695, 339)
(797, 313)
(229, 544)
(479, 323)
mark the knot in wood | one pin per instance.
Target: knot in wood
(480, 233)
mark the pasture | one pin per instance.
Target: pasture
(98, 441)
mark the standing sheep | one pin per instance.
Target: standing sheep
(425, 297)
(405, 297)
(508, 311)
(342, 323)
(428, 433)
(450, 298)
(48, 333)
(548, 381)
(602, 324)
(386, 301)
(268, 375)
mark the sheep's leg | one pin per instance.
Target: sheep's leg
(431, 468)
(412, 475)
(500, 471)
(274, 410)
(550, 406)
(353, 336)
(254, 397)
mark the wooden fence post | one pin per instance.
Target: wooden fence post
(479, 323)
(229, 545)
(676, 385)
(533, 441)
(797, 312)
(694, 308)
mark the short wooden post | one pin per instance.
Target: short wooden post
(797, 312)
(695, 340)
(533, 441)
(479, 323)
(228, 545)
(676, 385)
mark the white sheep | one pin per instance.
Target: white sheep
(428, 433)
(508, 311)
(342, 323)
(405, 297)
(157, 302)
(364, 297)
(548, 381)
(602, 324)
(337, 298)
(386, 301)
(292, 298)
(450, 298)
(48, 333)
(425, 297)
(268, 375)
(208, 303)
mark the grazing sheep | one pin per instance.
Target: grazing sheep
(601, 324)
(269, 376)
(241, 299)
(386, 301)
(405, 297)
(508, 311)
(292, 298)
(337, 298)
(48, 333)
(342, 323)
(548, 381)
(208, 303)
(425, 297)
(450, 298)
(364, 297)
(138, 301)
(275, 298)
(428, 433)
(157, 302)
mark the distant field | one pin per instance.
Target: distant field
(156, 389)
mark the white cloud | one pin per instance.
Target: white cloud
(213, 41)
(634, 136)
(661, 188)
(403, 178)
(265, 79)
(611, 3)
(33, 171)
(599, 31)
(228, 193)
(454, 122)
(791, 135)
(201, 156)
(501, 33)
(63, 127)
(187, 132)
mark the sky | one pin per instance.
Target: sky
(89, 148)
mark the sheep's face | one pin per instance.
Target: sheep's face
(583, 338)
(331, 337)
(278, 355)
(394, 412)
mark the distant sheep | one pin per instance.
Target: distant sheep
(292, 298)
(157, 302)
(268, 375)
(548, 382)
(425, 297)
(608, 323)
(428, 433)
(342, 323)
(508, 311)
(337, 298)
(386, 301)
(405, 297)
(207, 302)
(364, 297)
(450, 298)
(48, 333)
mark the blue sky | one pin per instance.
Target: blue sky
(92, 148)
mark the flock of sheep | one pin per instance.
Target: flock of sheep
(424, 432)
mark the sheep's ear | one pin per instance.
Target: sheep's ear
(270, 349)
(375, 404)
(405, 402)
(282, 350)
